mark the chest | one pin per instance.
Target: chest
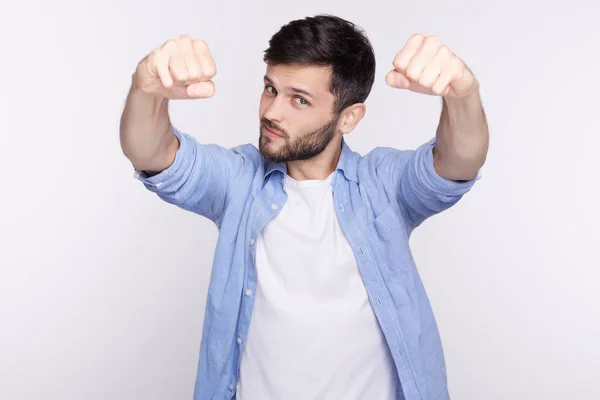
(303, 248)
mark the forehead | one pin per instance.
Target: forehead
(314, 79)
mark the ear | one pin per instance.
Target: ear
(351, 116)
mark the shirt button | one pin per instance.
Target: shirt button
(274, 206)
(248, 292)
(251, 242)
(230, 387)
(239, 341)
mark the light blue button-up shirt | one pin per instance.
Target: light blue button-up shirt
(379, 199)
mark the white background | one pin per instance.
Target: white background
(102, 285)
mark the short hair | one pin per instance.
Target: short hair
(328, 41)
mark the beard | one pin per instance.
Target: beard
(304, 147)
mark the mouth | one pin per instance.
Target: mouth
(272, 133)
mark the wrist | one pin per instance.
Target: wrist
(138, 89)
(460, 105)
(474, 96)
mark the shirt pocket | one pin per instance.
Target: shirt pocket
(391, 242)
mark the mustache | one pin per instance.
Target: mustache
(273, 127)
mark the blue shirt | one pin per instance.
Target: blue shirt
(379, 199)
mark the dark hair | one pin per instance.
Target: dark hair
(328, 41)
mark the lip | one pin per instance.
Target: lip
(272, 134)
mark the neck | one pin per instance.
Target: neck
(320, 166)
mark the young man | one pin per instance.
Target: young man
(314, 294)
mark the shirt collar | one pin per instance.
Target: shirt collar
(347, 163)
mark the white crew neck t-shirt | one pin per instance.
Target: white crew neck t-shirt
(313, 334)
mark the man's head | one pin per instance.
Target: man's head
(320, 71)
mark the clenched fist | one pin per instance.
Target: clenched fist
(179, 69)
(426, 65)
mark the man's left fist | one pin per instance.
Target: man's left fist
(426, 65)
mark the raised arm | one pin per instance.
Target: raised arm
(436, 175)
(179, 69)
(174, 165)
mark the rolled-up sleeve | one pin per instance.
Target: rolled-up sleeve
(198, 178)
(421, 190)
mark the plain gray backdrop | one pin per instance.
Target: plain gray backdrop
(102, 285)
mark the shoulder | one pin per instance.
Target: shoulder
(383, 158)
(249, 154)
(248, 150)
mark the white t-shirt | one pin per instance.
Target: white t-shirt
(313, 334)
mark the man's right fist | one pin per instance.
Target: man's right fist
(179, 69)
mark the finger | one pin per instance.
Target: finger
(177, 66)
(192, 64)
(201, 90)
(433, 69)
(397, 80)
(411, 47)
(424, 55)
(442, 84)
(159, 63)
(209, 68)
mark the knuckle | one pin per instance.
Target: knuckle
(154, 56)
(417, 36)
(444, 50)
(194, 73)
(435, 40)
(181, 74)
(185, 38)
(170, 44)
(181, 77)
(424, 81)
(398, 64)
(412, 74)
(438, 90)
(178, 73)
(455, 62)
(201, 44)
(210, 71)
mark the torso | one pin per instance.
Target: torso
(313, 333)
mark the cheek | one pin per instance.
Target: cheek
(302, 125)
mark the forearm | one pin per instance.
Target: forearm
(462, 138)
(146, 131)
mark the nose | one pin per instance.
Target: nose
(274, 111)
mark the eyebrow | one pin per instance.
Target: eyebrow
(293, 89)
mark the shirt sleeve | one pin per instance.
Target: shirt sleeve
(422, 192)
(198, 179)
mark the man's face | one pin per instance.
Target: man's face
(296, 121)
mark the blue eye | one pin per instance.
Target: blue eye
(270, 89)
(302, 101)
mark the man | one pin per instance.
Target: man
(313, 293)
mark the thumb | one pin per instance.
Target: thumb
(397, 80)
(200, 90)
